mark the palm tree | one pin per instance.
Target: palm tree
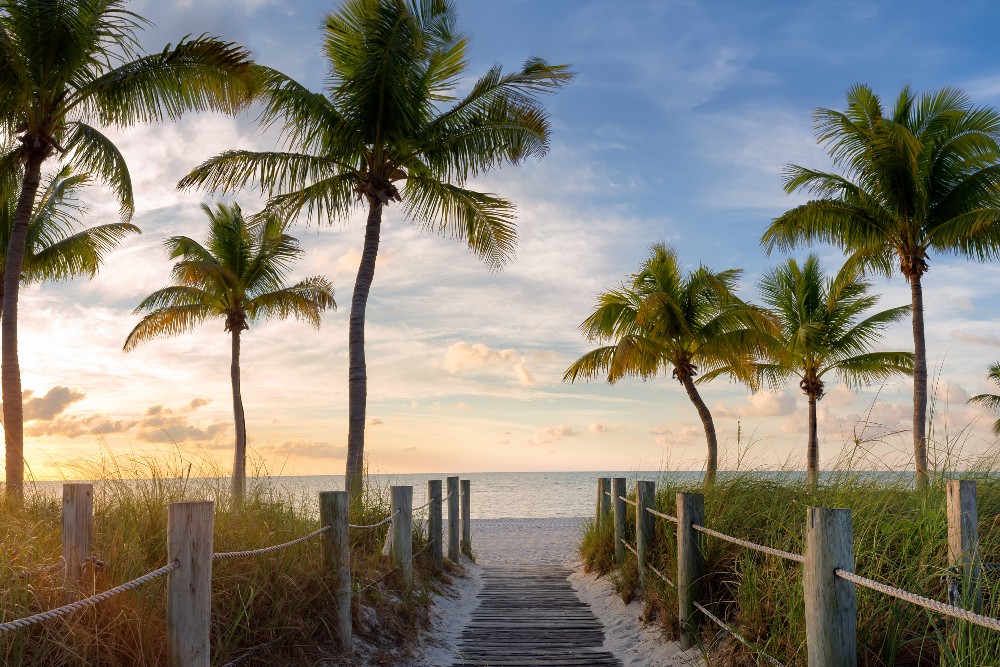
(239, 276)
(66, 65)
(664, 320)
(390, 130)
(923, 178)
(990, 401)
(822, 327)
(54, 248)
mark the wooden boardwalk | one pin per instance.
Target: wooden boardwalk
(529, 616)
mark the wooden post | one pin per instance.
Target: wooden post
(603, 501)
(453, 552)
(963, 541)
(189, 587)
(77, 527)
(434, 522)
(466, 519)
(831, 602)
(334, 511)
(402, 533)
(618, 492)
(690, 563)
(645, 496)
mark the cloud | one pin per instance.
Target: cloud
(685, 436)
(462, 356)
(603, 427)
(163, 424)
(410, 449)
(75, 427)
(990, 340)
(553, 434)
(761, 404)
(47, 407)
(310, 449)
(374, 421)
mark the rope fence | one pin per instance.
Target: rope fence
(375, 525)
(267, 550)
(729, 629)
(672, 519)
(627, 501)
(750, 545)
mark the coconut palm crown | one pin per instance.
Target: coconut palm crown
(921, 177)
(990, 401)
(238, 276)
(823, 327)
(68, 67)
(665, 319)
(390, 130)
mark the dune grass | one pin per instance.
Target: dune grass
(280, 599)
(900, 538)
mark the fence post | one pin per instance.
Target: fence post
(402, 533)
(831, 602)
(466, 518)
(617, 493)
(603, 502)
(453, 519)
(189, 588)
(434, 522)
(334, 511)
(690, 563)
(963, 541)
(77, 522)
(645, 496)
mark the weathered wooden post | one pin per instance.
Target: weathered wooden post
(617, 493)
(603, 501)
(645, 497)
(453, 551)
(77, 527)
(189, 588)
(466, 518)
(963, 553)
(434, 534)
(402, 533)
(690, 563)
(334, 511)
(831, 602)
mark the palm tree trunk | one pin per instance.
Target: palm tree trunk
(357, 375)
(712, 463)
(919, 382)
(812, 450)
(10, 369)
(240, 456)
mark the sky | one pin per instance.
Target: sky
(676, 129)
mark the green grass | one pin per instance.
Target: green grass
(900, 538)
(280, 597)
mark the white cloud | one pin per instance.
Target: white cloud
(553, 434)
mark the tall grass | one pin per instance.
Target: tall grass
(281, 599)
(900, 538)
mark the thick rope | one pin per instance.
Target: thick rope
(629, 547)
(54, 567)
(86, 602)
(375, 525)
(661, 515)
(630, 502)
(927, 603)
(661, 576)
(728, 628)
(266, 550)
(750, 545)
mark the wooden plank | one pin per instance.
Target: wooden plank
(334, 509)
(189, 588)
(77, 522)
(831, 602)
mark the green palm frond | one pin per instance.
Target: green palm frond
(80, 254)
(306, 301)
(94, 153)
(169, 321)
(273, 171)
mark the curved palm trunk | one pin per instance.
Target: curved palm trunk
(240, 456)
(357, 375)
(812, 451)
(10, 369)
(712, 462)
(919, 382)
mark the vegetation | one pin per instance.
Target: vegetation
(922, 177)
(65, 66)
(395, 133)
(664, 319)
(823, 327)
(239, 276)
(990, 401)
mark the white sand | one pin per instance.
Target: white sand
(551, 542)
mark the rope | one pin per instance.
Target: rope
(725, 626)
(609, 494)
(630, 502)
(390, 571)
(661, 576)
(927, 603)
(54, 567)
(750, 545)
(86, 602)
(661, 515)
(375, 525)
(265, 550)
(629, 547)
(990, 567)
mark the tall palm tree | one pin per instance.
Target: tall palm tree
(238, 276)
(823, 327)
(664, 319)
(389, 130)
(56, 248)
(923, 177)
(990, 401)
(66, 65)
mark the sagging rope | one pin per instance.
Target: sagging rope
(725, 626)
(265, 550)
(750, 545)
(375, 525)
(662, 515)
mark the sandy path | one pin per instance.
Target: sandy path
(553, 542)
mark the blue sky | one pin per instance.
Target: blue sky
(676, 129)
